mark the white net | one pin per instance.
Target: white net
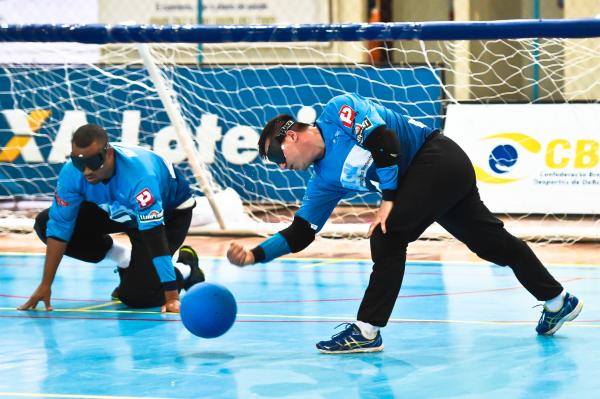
(227, 92)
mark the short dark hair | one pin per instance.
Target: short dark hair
(85, 135)
(273, 128)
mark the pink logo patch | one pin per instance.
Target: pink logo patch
(60, 201)
(347, 115)
(144, 198)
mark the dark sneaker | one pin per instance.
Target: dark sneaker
(550, 322)
(115, 293)
(189, 257)
(351, 340)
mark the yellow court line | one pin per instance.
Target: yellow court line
(102, 305)
(70, 396)
(366, 259)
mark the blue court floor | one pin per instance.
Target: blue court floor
(458, 330)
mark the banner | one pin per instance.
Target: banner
(532, 158)
(40, 111)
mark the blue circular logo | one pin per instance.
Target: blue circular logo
(503, 158)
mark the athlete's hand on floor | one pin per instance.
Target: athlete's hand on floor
(382, 214)
(172, 303)
(239, 256)
(42, 293)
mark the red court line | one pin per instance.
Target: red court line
(329, 300)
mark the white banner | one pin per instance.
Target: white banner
(48, 12)
(532, 158)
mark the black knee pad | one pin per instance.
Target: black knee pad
(41, 221)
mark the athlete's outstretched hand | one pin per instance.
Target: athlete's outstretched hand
(382, 214)
(42, 293)
(239, 256)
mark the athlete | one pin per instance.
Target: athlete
(108, 188)
(357, 145)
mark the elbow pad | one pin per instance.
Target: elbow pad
(384, 145)
(298, 235)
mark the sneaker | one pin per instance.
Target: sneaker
(189, 257)
(550, 322)
(114, 295)
(351, 340)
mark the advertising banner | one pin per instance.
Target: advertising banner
(532, 158)
(225, 109)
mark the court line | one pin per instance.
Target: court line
(432, 294)
(274, 318)
(55, 299)
(362, 260)
(102, 305)
(71, 396)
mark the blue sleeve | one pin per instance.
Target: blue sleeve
(274, 247)
(354, 115)
(319, 201)
(66, 203)
(166, 271)
(388, 178)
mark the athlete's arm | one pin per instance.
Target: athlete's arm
(55, 250)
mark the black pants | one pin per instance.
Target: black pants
(440, 186)
(140, 285)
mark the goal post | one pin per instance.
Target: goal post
(521, 97)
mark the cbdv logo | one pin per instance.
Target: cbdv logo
(516, 156)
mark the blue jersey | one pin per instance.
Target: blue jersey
(347, 167)
(142, 189)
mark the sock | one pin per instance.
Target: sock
(120, 254)
(184, 269)
(367, 330)
(556, 303)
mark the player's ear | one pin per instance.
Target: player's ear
(293, 135)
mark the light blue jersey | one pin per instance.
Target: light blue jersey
(143, 188)
(347, 167)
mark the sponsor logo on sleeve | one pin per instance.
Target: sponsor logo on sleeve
(361, 128)
(60, 201)
(347, 115)
(144, 198)
(152, 216)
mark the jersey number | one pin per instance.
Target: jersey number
(347, 116)
(144, 198)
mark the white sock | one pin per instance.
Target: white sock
(556, 303)
(120, 254)
(368, 331)
(184, 269)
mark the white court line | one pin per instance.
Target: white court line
(69, 396)
(314, 317)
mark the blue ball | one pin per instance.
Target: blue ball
(208, 310)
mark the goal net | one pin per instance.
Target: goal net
(524, 109)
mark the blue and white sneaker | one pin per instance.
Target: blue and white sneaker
(351, 340)
(550, 322)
